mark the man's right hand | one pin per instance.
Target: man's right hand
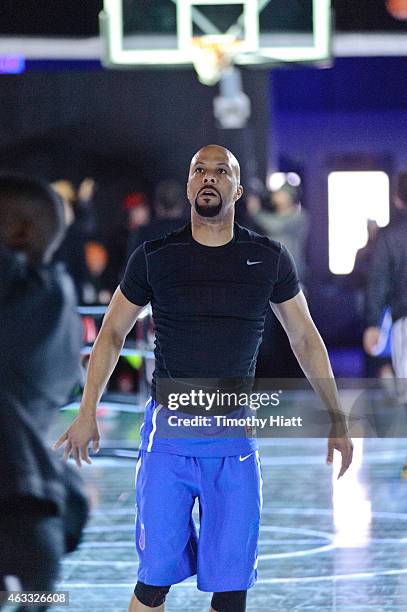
(83, 430)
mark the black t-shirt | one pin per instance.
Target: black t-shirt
(40, 340)
(209, 303)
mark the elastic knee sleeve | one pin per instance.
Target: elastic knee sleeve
(151, 596)
(229, 601)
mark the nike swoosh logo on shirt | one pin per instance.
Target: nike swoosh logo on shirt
(253, 263)
(244, 458)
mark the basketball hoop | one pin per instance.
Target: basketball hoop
(213, 55)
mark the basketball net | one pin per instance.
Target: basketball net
(213, 55)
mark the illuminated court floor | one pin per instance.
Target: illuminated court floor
(322, 546)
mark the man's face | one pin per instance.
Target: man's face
(213, 182)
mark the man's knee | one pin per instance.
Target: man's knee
(229, 601)
(151, 596)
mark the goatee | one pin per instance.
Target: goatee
(208, 211)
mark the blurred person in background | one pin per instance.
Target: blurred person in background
(100, 283)
(378, 365)
(169, 214)
(138, 210)
(81, 223)
(363, 260)
(135, 211)
(42, 508)
(281, 218)
(81, 203)
(387, 286)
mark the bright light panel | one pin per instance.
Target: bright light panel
(353, 198)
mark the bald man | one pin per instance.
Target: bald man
(210, 284)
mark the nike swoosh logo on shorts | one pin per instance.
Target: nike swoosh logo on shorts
(244, 458)
(252, 263)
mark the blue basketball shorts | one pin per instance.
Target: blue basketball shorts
(228, 491)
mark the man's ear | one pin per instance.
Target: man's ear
(239, 193)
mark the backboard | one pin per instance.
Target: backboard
(161, 33)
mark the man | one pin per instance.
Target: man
(210, 284)
(40, 339)
(387, 286)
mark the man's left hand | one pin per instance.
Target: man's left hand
(345, 447)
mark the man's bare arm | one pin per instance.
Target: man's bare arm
(312, 356)
(118, 321)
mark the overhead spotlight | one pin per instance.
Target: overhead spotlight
(293, 179)
(276, 180)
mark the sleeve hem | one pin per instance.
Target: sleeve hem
(129, 296)
(286, 296)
